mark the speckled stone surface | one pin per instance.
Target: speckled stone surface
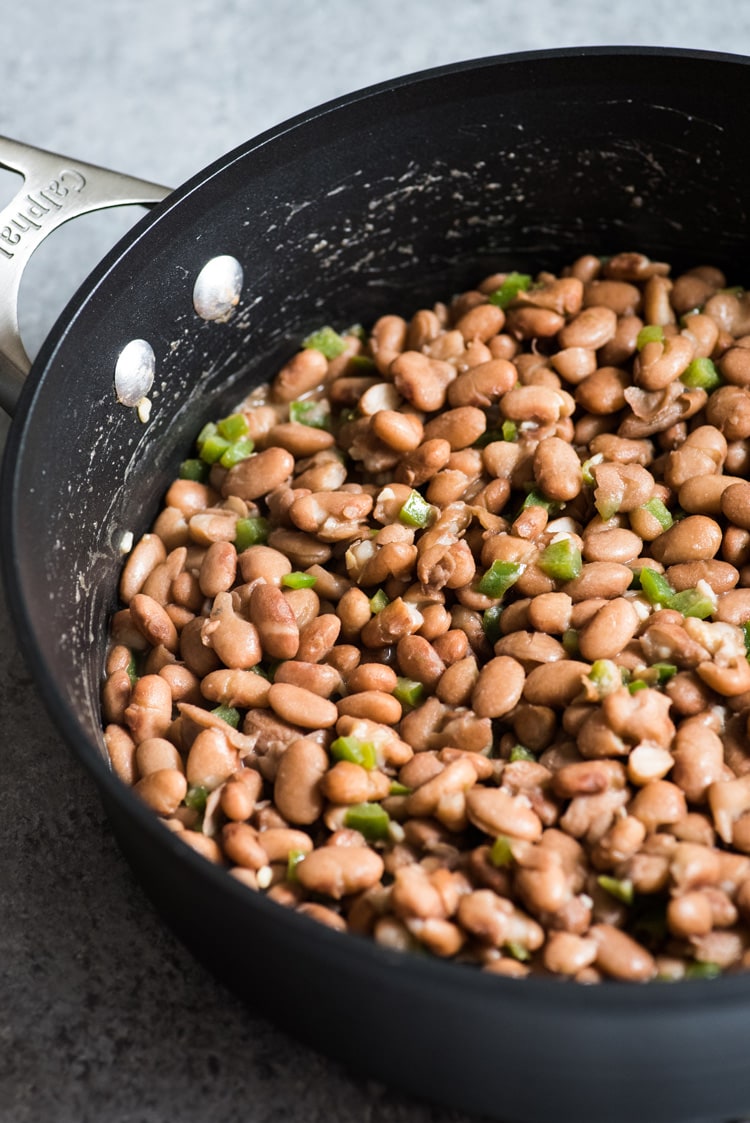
(103, 1015)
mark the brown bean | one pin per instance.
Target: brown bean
(211, 760)
(461, 427)
(218, 569)
(372, 704)
(555, 684)
(121, 750)
(695, 538)
(163, 791)
(721, 576)
(609, 630)
(274, 619)
(483, 385)
(481, 322)
(258, 474)
(153, 622)
(339, 871)
(423, 381)
(620, 956)
(236, 688)
(599, 579)
(591, 328)
(603, 392)
(557, 469)
(303, 372)
(301, 707)
(495, 812)
(149, 713)
(735, 503)
(318, 677)
(143, 559)
(263, 562)
(498, 688)
(156, 753)
(419, 660)
(728, 408)
(400, 431)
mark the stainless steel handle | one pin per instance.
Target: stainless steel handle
(55, 189)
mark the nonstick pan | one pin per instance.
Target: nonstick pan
(385, 200)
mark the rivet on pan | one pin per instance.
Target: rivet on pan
(217, 288)
(134, 373)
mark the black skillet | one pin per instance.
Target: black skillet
(385, 200)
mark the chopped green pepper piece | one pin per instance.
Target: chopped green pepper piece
(701, 970)
(370, 819)
(569, 641)
(314, 414)
(325, 340)
(519, 752)
(210, 429)
(588, 465)
(501, 854)
(701, 373)
(293, 860)
(660, 512)
(194, 470)
(488, 437)
(378, 601)
(398, 788)
(362, 363)
(132, 670)
(298, 580)
(251, 532)
(237, 451)
(416, 511)
(408, 691)
(355, 751)
(619, 888)
(606, 676)
(636, 685)
(228, 714)
(746, 634)
(213, 448)
(196, 799)
(655, 675)
(509, 289)
(664, 672)
(233, 427)
(510, 431)
(606, 506)
(651, 333)
(655, 586)
(561, 560)
(517, 951)
(536, 499)
(491, 623)
(499, 578)
(691, 602)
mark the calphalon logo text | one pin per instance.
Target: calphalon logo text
(38, 205)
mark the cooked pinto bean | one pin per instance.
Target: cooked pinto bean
(478, 629)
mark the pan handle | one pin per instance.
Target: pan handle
(55, 189)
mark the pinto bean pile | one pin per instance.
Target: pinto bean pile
(442, 639)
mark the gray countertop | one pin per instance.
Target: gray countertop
(104, 1016)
